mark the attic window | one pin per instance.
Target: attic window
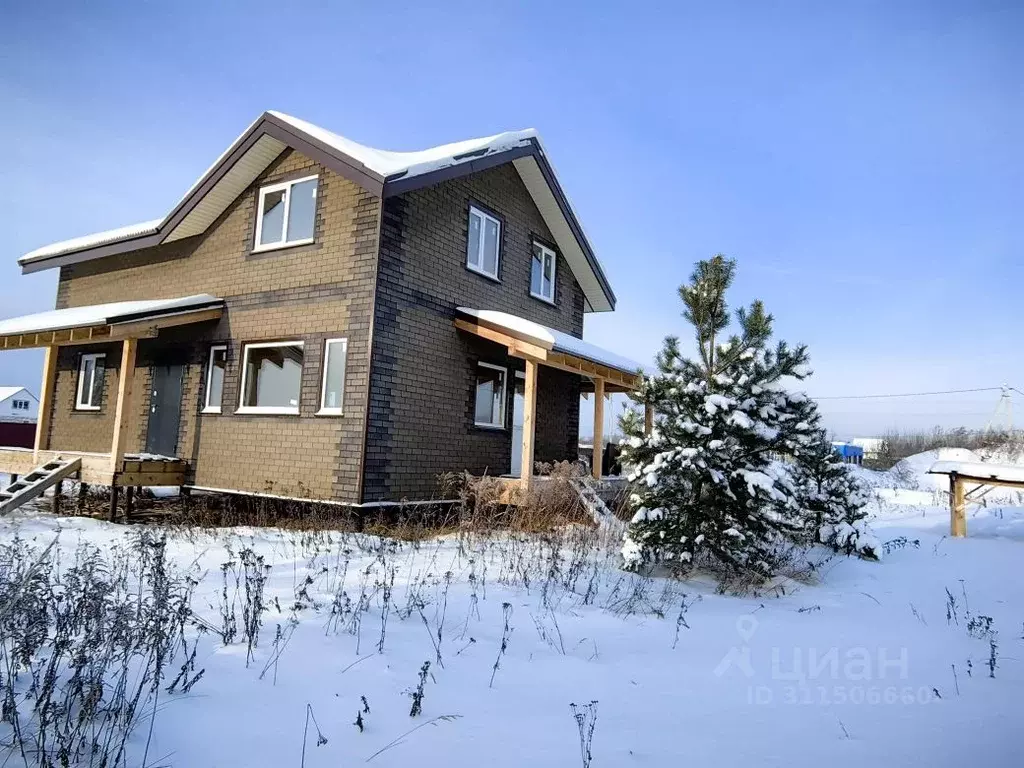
(484, 243)
(286, 214)
(542, 273)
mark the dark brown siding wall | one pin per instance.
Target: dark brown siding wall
(423, 370)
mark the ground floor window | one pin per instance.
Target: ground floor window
(215, 378)
(91, 369)
(271, 377)
(333, 387)
(490, 396)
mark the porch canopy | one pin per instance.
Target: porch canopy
(123, 321)
(537, 344)
(106, 322)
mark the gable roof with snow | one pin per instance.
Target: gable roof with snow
(8, 392)
(382, 172)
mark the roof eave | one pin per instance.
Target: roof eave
(400, 183)
(348, 167)
(266, 125)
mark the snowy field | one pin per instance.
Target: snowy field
(868, 664)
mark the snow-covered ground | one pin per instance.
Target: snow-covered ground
(868, 665)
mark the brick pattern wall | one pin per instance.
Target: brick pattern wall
(424, 371)
(78, 430)
(313, 292)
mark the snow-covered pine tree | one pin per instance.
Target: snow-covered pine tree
(832, 500)
(705, 484)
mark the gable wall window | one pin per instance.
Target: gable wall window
(215, 378)
(271, 378)
(91, 369)
(483, 249)
(286, 214)
(542, 273)
(490, 396)
(332, 391)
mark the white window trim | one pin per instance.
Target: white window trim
(504, 397)
(80, 404)
(285, 242)
(479, 269)
(545, 253)
(269, 410)
(207, 407)
(324, 410)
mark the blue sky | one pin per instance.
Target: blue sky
(862, 161)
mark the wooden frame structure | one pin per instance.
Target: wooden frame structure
(606, 380)
(960, 497)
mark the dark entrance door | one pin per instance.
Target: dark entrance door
(164, 409)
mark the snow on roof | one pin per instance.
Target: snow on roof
(390, 163)
(6, 392)
(102, 314)
(557, 340)
(91, 241)
(979, 469)
(383, 162)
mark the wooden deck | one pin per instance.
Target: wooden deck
(98, 469)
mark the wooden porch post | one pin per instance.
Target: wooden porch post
(598, 427)
(957, 507)
(123, 409)
(529, 424)
(648, 419)
(45, 402)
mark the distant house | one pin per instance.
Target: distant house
(320, 319)
(850, 453)
(872, 446)
(19, 410)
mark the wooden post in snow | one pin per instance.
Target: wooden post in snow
(957, 506)
(529, 424)
(45, 402)
(598, 428)
(123, 408)
(113, 500)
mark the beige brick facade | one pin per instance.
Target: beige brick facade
(313, 292)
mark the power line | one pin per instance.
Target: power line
(913, 394)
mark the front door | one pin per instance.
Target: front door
(164, 409)
(518, 403)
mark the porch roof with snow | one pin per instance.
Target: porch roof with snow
(107, 322)
(525, 338)
(382, 172)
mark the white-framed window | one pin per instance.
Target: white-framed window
(542, 273)
(490, 396)
(271, 377)
(215, 368)
(286, 214)
(91, 370)
(484, 247)
(332, 388)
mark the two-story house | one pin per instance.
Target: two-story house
(319, 319)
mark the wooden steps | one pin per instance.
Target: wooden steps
(35, 483)
(594, 504)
